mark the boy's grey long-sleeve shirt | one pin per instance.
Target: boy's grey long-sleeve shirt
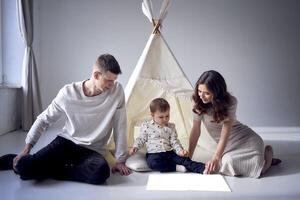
(88, 120)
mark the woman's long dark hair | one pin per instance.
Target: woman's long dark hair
(216, 84)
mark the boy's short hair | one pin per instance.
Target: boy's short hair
(107, 62)
(159, 104)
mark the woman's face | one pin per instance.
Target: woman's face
(205, 95)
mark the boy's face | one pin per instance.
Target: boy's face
(162, 118)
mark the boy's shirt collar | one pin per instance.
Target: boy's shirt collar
(158, 125)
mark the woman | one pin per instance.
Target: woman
(240, 151)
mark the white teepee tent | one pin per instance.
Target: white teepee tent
(158, 74)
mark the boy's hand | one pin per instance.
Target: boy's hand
(184, 153)
(133, 150)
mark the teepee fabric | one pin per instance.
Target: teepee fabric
(158, 74)
(147, 9)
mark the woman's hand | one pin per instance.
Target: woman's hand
(212, 166)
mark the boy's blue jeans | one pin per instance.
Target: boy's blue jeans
(167, 161)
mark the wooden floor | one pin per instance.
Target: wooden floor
(282, 182)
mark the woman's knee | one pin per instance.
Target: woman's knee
(227, 160)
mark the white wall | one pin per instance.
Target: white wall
(10, 109)
(255, 44)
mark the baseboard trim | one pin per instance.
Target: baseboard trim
(278, 133)
(287, 129)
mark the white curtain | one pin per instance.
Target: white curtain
(31, 94)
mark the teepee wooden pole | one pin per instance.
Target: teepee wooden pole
(156, 27)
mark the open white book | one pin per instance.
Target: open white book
(187, 181)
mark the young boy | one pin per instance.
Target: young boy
(161, 141)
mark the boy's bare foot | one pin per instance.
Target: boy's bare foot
(206, 170)
(180, 168)
(268, 158)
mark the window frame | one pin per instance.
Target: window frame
(1, 62)
(11, 47)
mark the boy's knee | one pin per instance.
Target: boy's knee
(154, 165)
(157, 166)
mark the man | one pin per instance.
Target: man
(91, 109)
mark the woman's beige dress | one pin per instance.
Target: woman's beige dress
(244, 152)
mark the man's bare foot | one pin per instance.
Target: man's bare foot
(268, 158)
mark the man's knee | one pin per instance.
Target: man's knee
(24, 167)
(98, 174)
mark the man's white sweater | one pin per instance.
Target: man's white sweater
(88, 120)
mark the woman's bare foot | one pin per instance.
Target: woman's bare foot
(275, 161)
(268, 158)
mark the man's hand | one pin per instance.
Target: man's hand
(25, 152)
(184, 153)
(133, 150)
(121, 168)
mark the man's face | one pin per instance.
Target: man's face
(106, 80)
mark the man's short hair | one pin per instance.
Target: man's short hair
(107, 62)
(159, 104)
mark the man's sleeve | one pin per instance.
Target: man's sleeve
(120, 130)
(45, 119)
